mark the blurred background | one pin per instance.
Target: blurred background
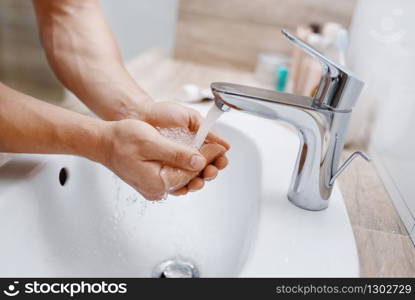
(224, 33)
(374, 38)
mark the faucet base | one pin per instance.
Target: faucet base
(304, 203)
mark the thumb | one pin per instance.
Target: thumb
(179, 156)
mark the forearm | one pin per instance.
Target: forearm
(84, 55)
(28, 125)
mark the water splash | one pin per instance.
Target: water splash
(185, 137)
(181, 136)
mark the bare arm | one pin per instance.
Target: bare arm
(28, 125)
(84, 55)
(132, 149)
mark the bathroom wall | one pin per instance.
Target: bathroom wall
(233, 32)
(382, 53)
(140, 25)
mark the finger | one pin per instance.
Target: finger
(176, 177)
(212, 151)
(195, 184)
(153, 187)
(214, 138)
(195, 119)
(180, 192)
(176, 155)
(210, 172)
(221, 162)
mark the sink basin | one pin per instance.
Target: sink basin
(67, 216)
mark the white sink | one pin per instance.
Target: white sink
(240, 224)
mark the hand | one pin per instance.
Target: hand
(137, 153)
(171, 115)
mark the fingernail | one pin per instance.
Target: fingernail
(197, 162)
(210, 179)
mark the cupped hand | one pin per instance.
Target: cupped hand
(173, 115)
(138, 153)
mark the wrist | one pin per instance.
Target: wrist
(126, 101)
(137, 110)
(118, 101)
(96, 136)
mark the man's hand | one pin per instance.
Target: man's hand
(138, 153)
(173, 115)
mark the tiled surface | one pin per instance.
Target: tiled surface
(367, 200)
(384, 254)
(383, 243)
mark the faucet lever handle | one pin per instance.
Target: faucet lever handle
(334, 77)
(331, 66)
(347, 162)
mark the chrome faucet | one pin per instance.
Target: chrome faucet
(321, 122)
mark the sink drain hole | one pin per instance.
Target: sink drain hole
(63, 176)
(175, 269)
